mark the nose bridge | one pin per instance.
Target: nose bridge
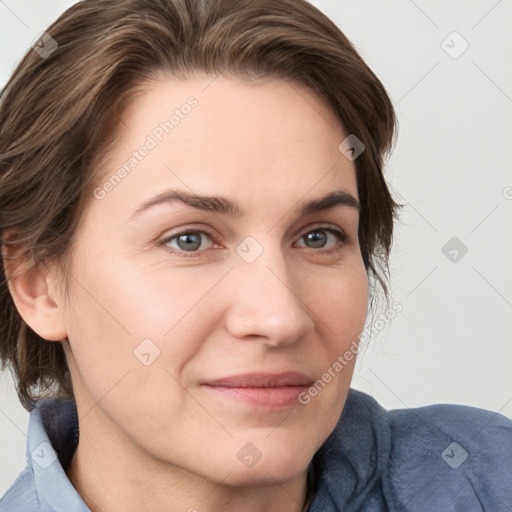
(267, 303)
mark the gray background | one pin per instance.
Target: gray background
(451, 168)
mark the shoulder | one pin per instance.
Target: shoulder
(21, 496)
(443, 456)
(440, 457)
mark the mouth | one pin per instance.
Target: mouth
(273, 391)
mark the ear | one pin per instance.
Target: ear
(35, 295)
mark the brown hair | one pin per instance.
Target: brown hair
(59, 114)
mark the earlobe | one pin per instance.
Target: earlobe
(35, 296)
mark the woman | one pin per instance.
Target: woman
(194, 218)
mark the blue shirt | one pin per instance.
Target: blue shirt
(439, 458)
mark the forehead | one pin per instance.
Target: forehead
(227, 136)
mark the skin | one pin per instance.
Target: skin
(151, 437)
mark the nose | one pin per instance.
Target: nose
(267, 303)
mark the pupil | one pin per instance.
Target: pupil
(316, 239)
(189, 242)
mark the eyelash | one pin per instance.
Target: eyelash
(338, 233)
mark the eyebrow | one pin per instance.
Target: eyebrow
(218, 204)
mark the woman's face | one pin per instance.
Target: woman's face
(210, 286)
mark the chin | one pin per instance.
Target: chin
(264, 474)
(268, 462)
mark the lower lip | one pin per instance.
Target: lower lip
(265, 398)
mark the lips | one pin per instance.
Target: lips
(262, 390)
(263, 380)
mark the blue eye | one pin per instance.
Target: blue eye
(188, 241)
(323, 238)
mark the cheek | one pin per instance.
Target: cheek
(341, 306)
(123, 315)
(341, 303)
(131, 335)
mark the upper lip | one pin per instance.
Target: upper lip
(262, 380)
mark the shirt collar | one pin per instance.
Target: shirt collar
(52, 440)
